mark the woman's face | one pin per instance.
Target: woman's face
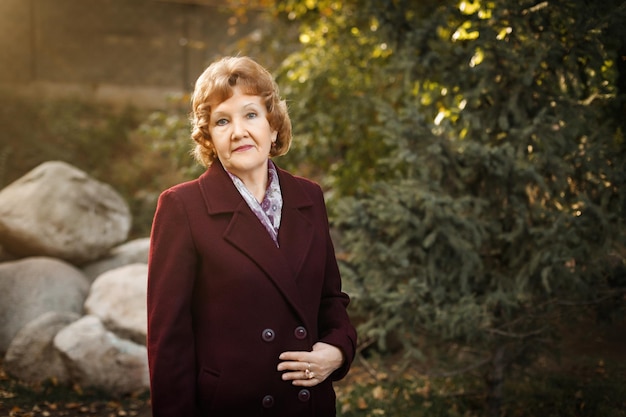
(241, 134)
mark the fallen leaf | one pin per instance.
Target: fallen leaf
(378, 392)
(361, 403)
(7, 394)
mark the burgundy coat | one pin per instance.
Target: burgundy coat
(224, 301)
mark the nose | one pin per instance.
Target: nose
(238, 128)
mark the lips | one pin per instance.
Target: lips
(243, 148)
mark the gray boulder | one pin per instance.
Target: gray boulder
(33, 286)
(57, 210)
(134, 251)
(118, 299)
(31, 356)
(96, 357)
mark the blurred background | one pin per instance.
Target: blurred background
(117, 50)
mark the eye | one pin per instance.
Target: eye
(251, 115)
(221, 122)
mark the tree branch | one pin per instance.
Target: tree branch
(535, 8)
(517, 335)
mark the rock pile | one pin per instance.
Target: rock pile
(72, 288)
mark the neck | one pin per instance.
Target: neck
(257, 188)
(256, 182)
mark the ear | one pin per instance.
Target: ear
(274, 136)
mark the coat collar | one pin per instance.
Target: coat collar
(216, 182)
(245, 232)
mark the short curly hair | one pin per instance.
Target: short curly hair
(217, 83)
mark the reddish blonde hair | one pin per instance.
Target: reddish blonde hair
(217, 83)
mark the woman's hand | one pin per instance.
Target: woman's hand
(307, 369)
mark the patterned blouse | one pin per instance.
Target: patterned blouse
(270, 209)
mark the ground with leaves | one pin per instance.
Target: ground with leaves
(49, 400)
(586, 381)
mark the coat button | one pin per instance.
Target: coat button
(268, 401)
(268, 335)
(304, 395)
(300, 332)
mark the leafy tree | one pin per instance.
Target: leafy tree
(476, 153)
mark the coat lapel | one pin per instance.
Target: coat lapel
(247, 234)
(296, 229)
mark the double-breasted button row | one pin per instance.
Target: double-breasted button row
(304, 395)
(268, 335)
(299, 332)
(268, 401)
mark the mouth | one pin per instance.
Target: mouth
(242, 148)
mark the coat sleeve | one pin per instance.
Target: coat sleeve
(170, 343)
(335, 327)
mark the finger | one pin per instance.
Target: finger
(306, 382)
(301, 376)
(293, 366)
(294, 356)
(295, 376)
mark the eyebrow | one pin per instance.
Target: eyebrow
(252, 104)
(245, 106)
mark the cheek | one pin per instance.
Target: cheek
(218, 145)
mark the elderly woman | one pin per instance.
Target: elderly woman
(246, 316)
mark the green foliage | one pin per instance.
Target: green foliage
(330, 82)
(476, 163)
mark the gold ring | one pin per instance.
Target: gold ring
(309, 374)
